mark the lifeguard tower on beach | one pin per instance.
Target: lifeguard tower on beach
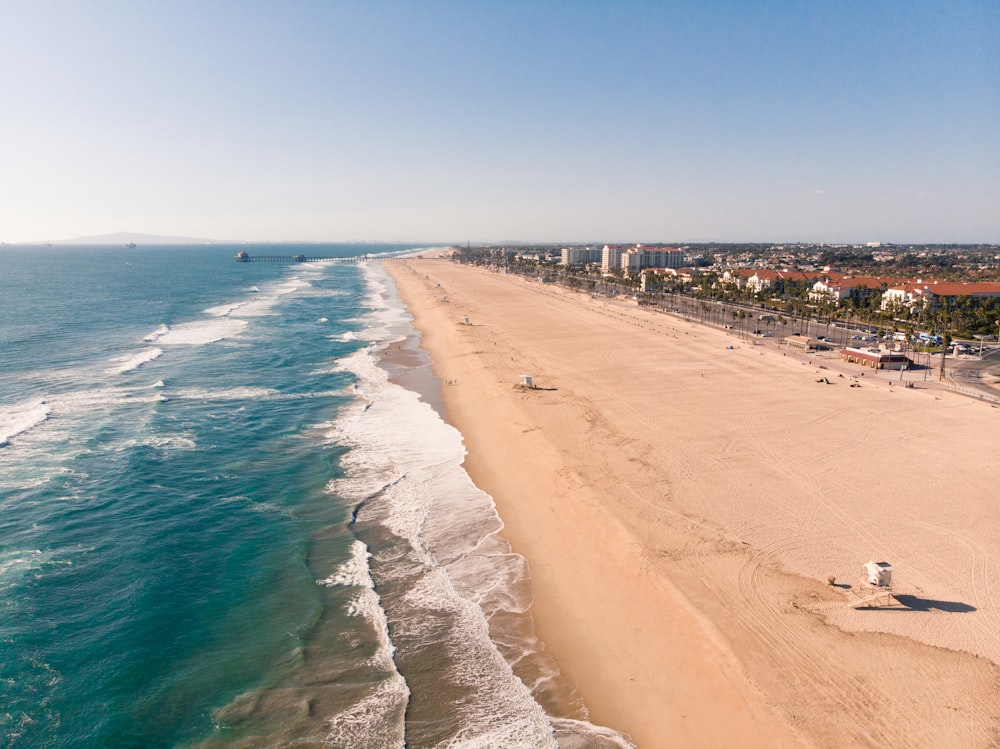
(876, 578)
(527, 382)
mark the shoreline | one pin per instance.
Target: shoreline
(695, 626)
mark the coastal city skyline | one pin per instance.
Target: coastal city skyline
(558, 122)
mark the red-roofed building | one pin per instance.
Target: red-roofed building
(935, 293)
(736, 276)
(766, 279)
(650, 277)
(835, 287)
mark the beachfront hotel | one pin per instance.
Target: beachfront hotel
(631, 260)
(581, 255)
(930, 294)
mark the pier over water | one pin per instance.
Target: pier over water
(244, 257)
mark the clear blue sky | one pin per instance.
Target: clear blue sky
(484, 121)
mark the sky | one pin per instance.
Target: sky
(448, 121)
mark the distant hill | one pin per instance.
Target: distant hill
(125, 237)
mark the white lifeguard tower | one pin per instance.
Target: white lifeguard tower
(465, 320)
(876, 577)
(527, 382)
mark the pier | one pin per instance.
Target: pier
(244, 257)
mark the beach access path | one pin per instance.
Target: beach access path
(683, 504)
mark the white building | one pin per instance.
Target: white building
(581, 255)
(638, 257)
(920, 294)
(611, 258)
(835, 289)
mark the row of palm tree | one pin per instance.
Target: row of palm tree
(960, 317)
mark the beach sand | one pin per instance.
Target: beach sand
(682, 506)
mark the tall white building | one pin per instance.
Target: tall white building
(611, 258)
(581, 255)
(637, 258)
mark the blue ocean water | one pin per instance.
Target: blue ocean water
(223, 523)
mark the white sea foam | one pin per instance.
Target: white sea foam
(88, 399)
(19, 560)
(345, 337)
(249, 393)
(261, 302)
(352, 572)
(157, 334)
(291, 284)
(223, 309)
(390, 322)
(259, 306)
(134, 361)
(202, 331)
(15, 564)
(225, 394)
(15, 480)
(405, 471)
(368, 605)
(60, 412)
(375, 722)
(323, 319)
(21, 417)
(411, 462)
(166, 442)
(257, 506)
(579, 734)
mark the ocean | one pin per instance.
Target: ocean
(232, 515)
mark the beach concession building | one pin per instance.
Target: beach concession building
(804, 342)
(875, 358)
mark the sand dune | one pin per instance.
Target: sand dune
(683, 504)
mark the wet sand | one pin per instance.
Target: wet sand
(683, 505)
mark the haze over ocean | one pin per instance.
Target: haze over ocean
(186, 442)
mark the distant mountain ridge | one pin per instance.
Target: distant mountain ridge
(126, 237)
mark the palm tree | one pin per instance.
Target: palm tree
(944, 353)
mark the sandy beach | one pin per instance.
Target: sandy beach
(683, 505)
